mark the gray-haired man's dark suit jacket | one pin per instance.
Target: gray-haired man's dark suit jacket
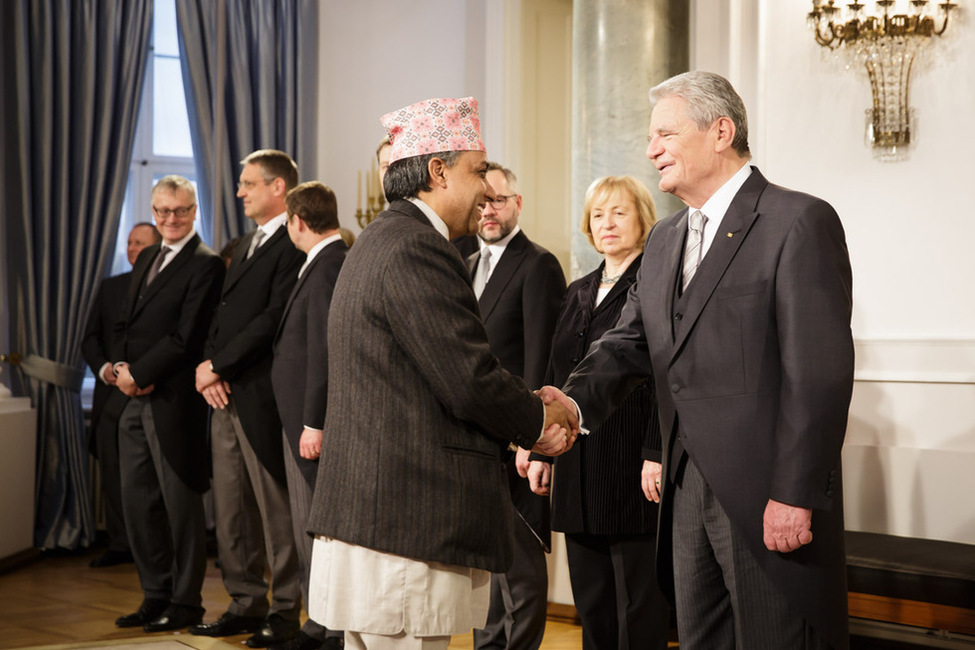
(754, 372)
(419, 410)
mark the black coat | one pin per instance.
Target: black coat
(299, 372)
(239, 345)
(596, 486)
(97, 343)
(161, 334)
(519, 307)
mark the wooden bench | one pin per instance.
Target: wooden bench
(909, 581)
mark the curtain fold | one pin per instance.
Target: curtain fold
(250, 68)
(70, 83)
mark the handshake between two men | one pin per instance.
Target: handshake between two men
(561, 423)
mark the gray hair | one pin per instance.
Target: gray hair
(174, 183)
(709, 96)
(407, 177)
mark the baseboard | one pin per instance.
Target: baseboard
(563, 613)
(19, 560)
(912, 612)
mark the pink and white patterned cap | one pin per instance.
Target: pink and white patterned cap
(434, 126)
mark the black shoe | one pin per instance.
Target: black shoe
(111, 558)
(176, 617)
(302, 641)
(148, 610)
(228, 625)
(274, 630)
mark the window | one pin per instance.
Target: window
(162, 139)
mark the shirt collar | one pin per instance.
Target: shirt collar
(271, 225)
(431, 216)
(716, 206)
(316, 249)
(178, 246)
(498, 247)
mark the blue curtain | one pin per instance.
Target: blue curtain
(250, 68)
(70, 82)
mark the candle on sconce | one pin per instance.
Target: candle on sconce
(358, 194)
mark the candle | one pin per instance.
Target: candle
(358, 194)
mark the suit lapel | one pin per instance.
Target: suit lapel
(145, 293)
(240, 265)
(297, 288)
(727, 241)
(514, 255)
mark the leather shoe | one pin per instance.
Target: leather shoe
(176, 617)
(111, 558)
(275, 629)
(228, 625)
(302, 641)
(148, 610)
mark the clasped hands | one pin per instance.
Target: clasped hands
(125, 382)
(214, 390)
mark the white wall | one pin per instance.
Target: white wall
(379, 55)
(911, 443)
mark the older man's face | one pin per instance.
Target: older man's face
(465, 192)
(175, 213)
(685, 155)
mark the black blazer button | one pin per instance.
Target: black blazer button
(575, 360)
(829, 493)
(678, 316)
(675, 388)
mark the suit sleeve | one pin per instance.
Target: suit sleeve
(170, 353)
(253, 342)
(614, 365)
(541, 299)
(91, 342)
(315, 399)
(813, 303)
(433, 315)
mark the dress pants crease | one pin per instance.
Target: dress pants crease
(253, 525)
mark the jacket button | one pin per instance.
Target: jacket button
(575, 360)
(675, 388)
(678, 316)
(829, 493)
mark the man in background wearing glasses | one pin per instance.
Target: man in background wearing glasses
(519, 287)
(250, 494)
(162, 427)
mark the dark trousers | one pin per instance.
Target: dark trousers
(106, 445)
(724, 599)
(614, 586)
(519, 597)
(163, 516)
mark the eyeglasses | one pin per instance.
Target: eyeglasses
(499, 201)
(179, 213)
(248, 185)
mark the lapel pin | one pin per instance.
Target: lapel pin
(730, 235)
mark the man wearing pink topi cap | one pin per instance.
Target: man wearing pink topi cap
(411, 511)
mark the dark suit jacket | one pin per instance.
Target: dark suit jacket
(596, 488)
(161, 335)
(419, 410)
(299, 372)
(519, 307)
(239, 345)
(96, 344)
(754, 374)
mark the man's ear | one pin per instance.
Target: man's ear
(437, 170)
(724, 130)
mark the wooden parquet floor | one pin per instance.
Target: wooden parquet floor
(61, 600)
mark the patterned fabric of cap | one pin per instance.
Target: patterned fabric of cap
(434, 126)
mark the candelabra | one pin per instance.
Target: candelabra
(886, 43)
(375, 197)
